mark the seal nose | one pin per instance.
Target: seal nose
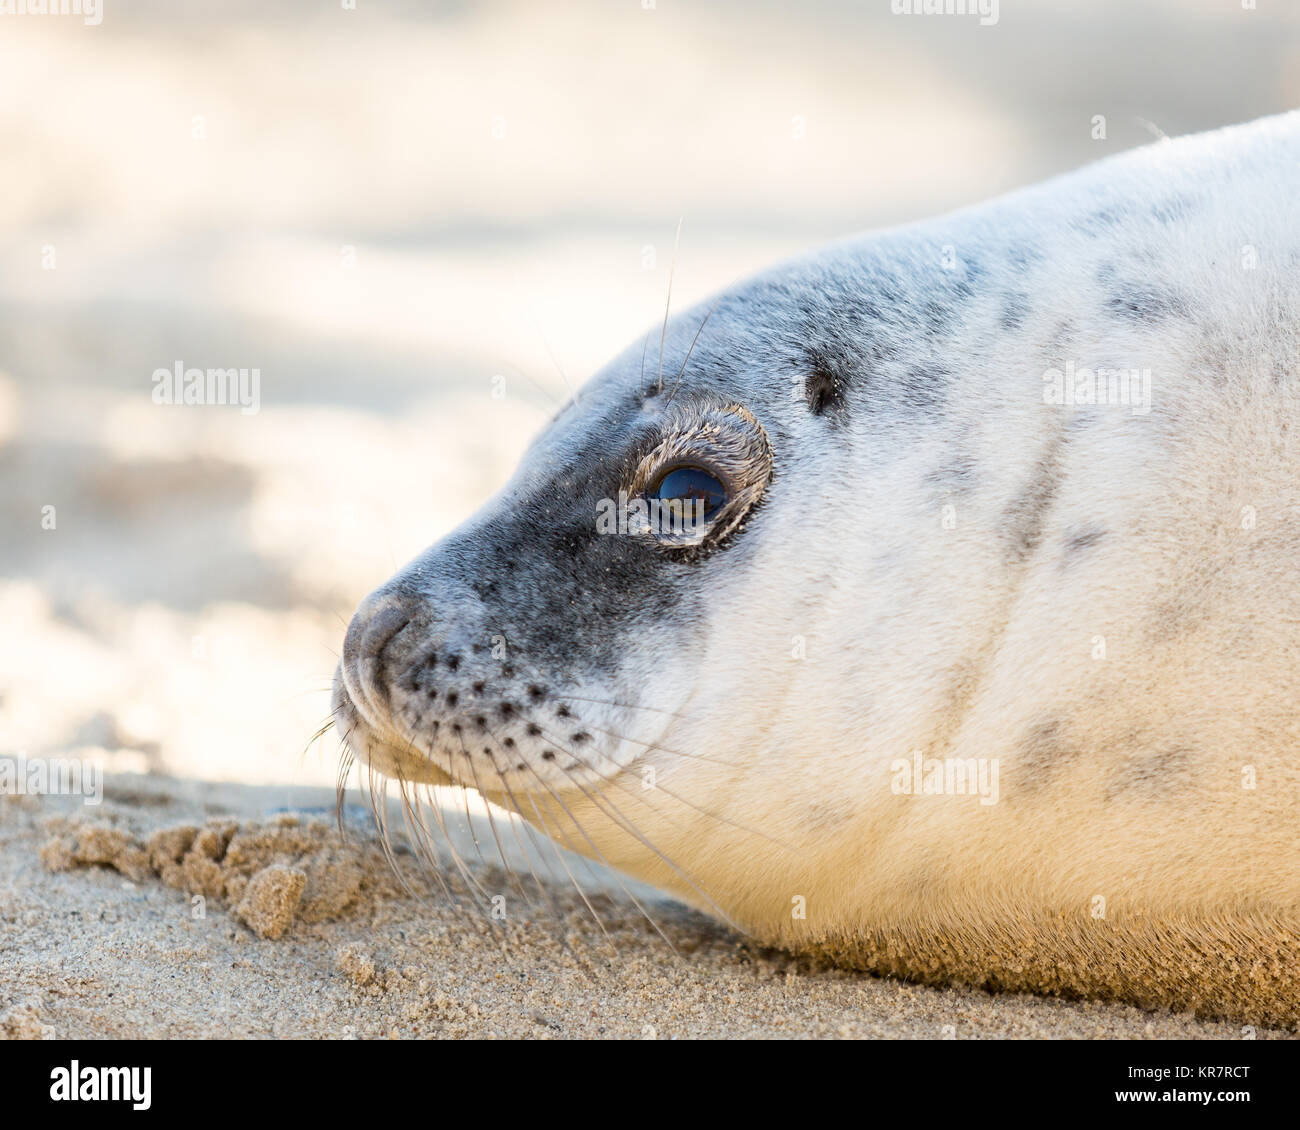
(375, 624)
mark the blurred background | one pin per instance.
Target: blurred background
(395, 211)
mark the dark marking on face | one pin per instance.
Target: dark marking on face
(1025, 518)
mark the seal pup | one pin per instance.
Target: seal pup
(978, 658)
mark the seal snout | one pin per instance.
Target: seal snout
(421, 697)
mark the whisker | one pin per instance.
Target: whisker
(682, 371)
(320, 732)
(379, 810)
(573, 392)
(628, 826)
(568, 871)
(492, 824)
(543, 889)
(512, 803)
(536, 384)
(435, 810)
(346, 763)
(641, 382)
(662, 749)
(663, 333)
(620, 705)
(658, 787)
(601, 855)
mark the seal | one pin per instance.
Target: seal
(929, 603)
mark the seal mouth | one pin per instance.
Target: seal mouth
(389, 757)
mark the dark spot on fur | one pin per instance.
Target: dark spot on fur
(939, 317)
(1150, 776)
(1025, 518)
(1024, 255)
(478, 687)
(536, 693)
(564, 712)
(533, 730)
(1145, 304)
(1014, 311)
(922, 386)
(1061, 338)
(580, 737)
(1101, 220)
(452, 698)
(1042, 752)
(453, 662)
(1083, 538)
(548, 755)
(506, 710)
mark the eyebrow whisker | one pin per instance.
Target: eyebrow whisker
(663, 334)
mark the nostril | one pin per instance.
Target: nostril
(376, 622)
(383, 626)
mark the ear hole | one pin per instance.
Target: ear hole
(820, 389)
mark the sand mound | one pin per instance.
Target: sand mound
(270, 875)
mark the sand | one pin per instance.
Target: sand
(189, 909)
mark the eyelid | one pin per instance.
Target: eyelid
(723, 440)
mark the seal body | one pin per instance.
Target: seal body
(986, 666)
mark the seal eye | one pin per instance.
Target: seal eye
(687, 485)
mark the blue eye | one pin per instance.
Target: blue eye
(686, 485)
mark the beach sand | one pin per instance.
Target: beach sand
(189, 909)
